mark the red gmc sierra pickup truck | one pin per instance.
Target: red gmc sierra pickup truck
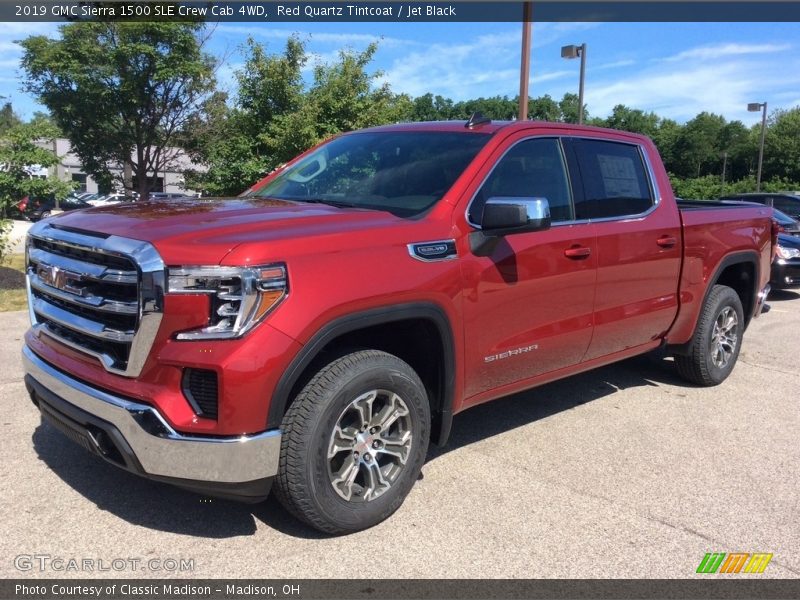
(314, 334)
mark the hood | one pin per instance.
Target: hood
(788, 241)
(194, 231)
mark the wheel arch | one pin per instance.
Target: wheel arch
(739, 271)
(422, 322)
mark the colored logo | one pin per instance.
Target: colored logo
(734, 562)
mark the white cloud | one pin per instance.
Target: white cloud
(723, 50)
(542, 77)
(683, 91)
(14, 31)
(8, 47)
(485, 66)
(340, 39)
(616, 64)
(544, 34)
(457, 70)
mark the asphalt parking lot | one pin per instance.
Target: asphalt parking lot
(625, 471)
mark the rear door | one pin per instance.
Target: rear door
(527, 303)
(638, 243)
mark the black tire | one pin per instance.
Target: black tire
(700, 365)
(305, 483)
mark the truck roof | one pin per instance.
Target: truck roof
(495, 126)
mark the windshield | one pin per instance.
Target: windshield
(782, 218)
(404, 173)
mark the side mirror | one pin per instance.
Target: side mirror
(504, 216)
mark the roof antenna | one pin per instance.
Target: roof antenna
(477, 119)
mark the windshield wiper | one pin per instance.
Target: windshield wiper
(336, 203)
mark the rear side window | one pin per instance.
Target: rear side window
(614, 180)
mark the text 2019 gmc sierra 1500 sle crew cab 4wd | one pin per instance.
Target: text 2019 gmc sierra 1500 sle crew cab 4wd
(314, 334)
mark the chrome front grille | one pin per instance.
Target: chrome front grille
(99, 294)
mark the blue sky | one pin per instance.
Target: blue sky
(674, 69)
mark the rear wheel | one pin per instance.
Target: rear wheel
(715, 346)
(354, 441)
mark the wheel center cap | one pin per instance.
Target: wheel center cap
(364, 443)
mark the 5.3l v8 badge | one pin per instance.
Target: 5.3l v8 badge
(433, 251)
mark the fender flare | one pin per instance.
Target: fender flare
(429, 311)
(735, 258)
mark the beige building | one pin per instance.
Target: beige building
(70, 168)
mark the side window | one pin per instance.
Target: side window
(533, 169)
(614, 180)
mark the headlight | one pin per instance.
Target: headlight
(786, 253)
(240, 296)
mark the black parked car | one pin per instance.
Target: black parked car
(786, 266)
(41, 208)
(786, 203)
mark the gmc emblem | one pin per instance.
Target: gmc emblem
(58, 278)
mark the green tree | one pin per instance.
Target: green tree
(568, 106)
(544, 108)
(276, 116)
(432, 108)
(738, 150)
(121, 92)
(698, 149)
(782, 145)
(217, 136)
(8, 118)
(23, 146)
(344, 95)
(665, 138)
(496, 107)
(633, 120)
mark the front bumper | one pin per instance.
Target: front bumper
(136, 437)
(785, 273)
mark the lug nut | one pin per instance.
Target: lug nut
(355, 454)
(367, 457)
(376, 444)
(373, 430)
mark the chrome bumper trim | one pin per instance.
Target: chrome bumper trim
(237, 459)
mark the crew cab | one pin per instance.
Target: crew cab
(313, 335)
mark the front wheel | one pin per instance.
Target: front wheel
(715, 346)
(354, 441)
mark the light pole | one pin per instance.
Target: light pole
(574, 51)
(755, 107)
(724, 168)
(525, 63)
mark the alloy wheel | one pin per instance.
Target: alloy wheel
(369, 446)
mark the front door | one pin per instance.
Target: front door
(528, 304)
